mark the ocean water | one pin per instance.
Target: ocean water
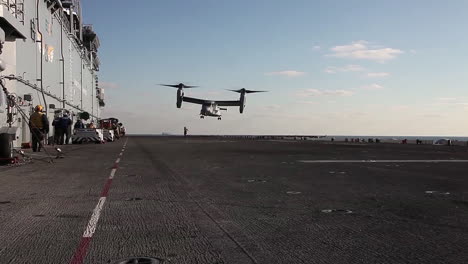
(340, 137)
(337, 137)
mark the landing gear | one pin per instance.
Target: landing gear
(219, 118)
(202, 117)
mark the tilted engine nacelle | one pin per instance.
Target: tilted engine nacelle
(180, 92)
(242, 102)
(180, 97)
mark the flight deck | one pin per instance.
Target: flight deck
(231, 200)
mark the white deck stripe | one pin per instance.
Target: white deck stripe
(112, 174)
(382, 161)
(94, 218)
(92, 224)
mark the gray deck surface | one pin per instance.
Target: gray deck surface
(212, 200)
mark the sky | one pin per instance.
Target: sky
(363, 67)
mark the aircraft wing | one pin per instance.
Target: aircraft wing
(194, 100)
(227, 103)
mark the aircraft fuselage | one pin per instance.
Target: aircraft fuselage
(210, 110)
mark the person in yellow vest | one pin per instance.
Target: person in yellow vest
(39, 125)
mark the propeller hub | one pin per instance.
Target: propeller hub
(244, 91)
(179, 86)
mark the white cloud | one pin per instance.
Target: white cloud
(108, 85)
(347, 68)
(316, 47)
(288, 73)
(450, 102)
(316, 92)
(446, 99)
(355, 45)
(353, 68)
(400, 107)
(362, 50)
(377, 74)
(372, 87)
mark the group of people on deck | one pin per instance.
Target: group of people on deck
(62, 129)
(39, 127)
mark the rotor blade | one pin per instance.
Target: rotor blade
(237, 91)
(250, 91)
(180, 85)
(170, 85)
(246, 91)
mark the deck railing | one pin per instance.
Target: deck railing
(16, 8)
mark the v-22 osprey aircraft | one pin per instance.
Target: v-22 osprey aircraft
(210, 107)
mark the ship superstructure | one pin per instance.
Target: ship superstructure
(49, 58)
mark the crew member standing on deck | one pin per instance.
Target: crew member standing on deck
(57, 132)
(39, 125)
(185, 131)
(79, 124)
(64, 123)
(67, 131)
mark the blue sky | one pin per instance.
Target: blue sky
(332, 67)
